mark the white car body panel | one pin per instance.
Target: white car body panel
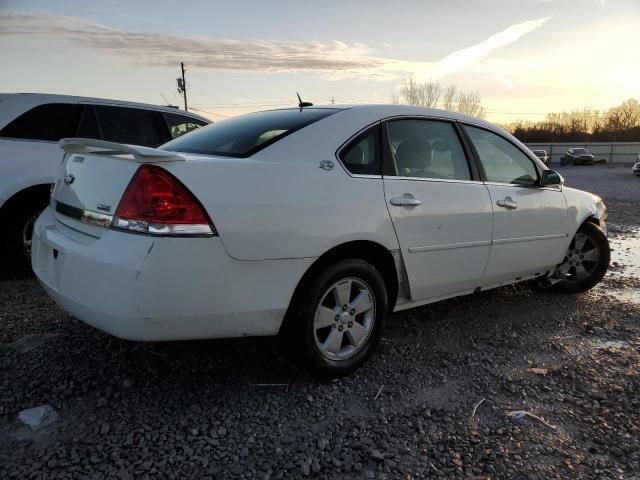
(25, 163)
(532, 238)
(447, 238)
(252, 229)
(128, 285)
(276, 212)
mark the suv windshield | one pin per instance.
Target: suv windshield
(579, 150)
(243, 136)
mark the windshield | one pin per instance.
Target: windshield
(245, 135)
(580, 150)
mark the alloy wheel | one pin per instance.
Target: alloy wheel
(581, 259)
(27, 234)
(344, 318)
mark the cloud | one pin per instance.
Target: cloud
(334, 60)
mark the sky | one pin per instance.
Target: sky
(525, 57)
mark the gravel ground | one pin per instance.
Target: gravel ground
(435, 402)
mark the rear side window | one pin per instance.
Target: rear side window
(243, 136)
(362, 155)
(178, 125)
(134, 126)
(51, 122)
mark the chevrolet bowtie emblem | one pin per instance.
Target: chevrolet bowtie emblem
(326, 165)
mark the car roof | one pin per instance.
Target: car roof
(350, 120)
(14, 104)
(385, 111)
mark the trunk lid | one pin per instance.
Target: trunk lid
(92, 179)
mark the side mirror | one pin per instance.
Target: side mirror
(551, 179)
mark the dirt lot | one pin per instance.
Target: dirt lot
(434, 402)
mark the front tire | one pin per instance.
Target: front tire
(586, 261)
(340, 319)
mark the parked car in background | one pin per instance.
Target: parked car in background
(311, 223)
(31, 124)
(636, 166)
(542, 155)
(578, 156)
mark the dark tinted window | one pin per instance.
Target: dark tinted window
(243, 136)
(88, 125)
(178, 125)
(129, 125)
(501, 160)
(52, 121)
(362, 155)
(427, 149)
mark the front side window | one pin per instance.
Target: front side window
(178, 125)
(245, 135)
(501, 160)
(362, 155)
(133, 126)
(427, 149)
(51, 122)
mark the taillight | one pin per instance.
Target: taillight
(156, 203)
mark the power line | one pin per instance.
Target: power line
(210, 113)
(242, 105)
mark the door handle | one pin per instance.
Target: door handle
(507, 203)
(407, 201)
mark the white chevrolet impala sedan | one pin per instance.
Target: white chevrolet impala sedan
(311, 223)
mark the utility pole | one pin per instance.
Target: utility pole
(182, 86)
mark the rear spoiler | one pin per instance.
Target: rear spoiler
(139, 154)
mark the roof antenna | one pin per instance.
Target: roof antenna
(302, 104)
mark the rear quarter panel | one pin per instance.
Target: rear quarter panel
(26, 163)
(271, 209)
(280, 204)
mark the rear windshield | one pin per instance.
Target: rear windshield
(243, 136)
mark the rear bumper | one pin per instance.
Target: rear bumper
(147, 288)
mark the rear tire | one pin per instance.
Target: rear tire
(339, 320)
(16, 241)
(586, 261)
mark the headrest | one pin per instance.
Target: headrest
(413, 153)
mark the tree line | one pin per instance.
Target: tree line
(432, 94)
(618, 124)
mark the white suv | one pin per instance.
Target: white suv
(31, 124)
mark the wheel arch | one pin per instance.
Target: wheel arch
(591, 219)
(28, 194)
(374, 253)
